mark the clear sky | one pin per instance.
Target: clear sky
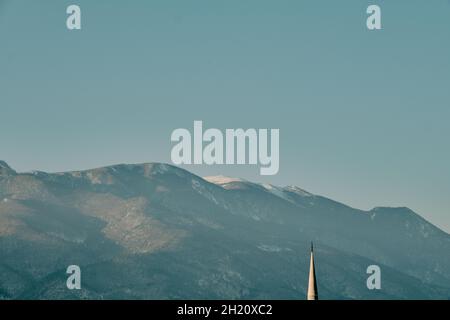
(363, 116)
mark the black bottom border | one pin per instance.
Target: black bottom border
(222, 309)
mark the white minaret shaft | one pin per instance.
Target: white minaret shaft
(312, 284)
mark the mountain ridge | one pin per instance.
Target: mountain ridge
(162, 167)
(5, 169)
(227, 238)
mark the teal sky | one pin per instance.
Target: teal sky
(363, 116)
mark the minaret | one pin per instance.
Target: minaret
(312, 284)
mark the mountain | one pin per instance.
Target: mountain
(155, 231)
(5, 170)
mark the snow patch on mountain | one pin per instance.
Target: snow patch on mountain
(272, 248)
(299, 191)
(277, 191)
(220, 180)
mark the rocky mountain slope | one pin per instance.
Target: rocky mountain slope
(154, 231)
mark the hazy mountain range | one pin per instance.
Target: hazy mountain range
(154, 231)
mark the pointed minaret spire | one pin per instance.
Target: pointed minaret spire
(312, 284)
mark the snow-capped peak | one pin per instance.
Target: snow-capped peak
(298, 191)
(220, 180)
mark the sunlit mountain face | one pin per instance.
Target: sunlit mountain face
(154, 231)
